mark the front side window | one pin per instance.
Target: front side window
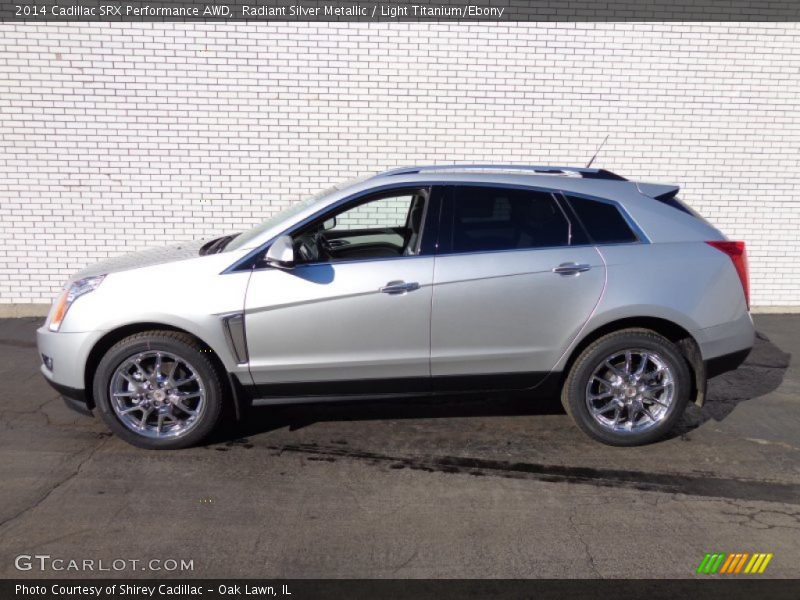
(602, 221)
(487, 219)
(287, 213)
(381, 213)
(386, 225)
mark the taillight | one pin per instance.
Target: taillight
(738, 254)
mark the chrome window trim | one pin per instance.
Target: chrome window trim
(637, 231)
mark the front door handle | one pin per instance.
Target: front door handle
(571, 268)
(399, 287)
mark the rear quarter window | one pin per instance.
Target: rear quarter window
(603, 222)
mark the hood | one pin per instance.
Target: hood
(145, 258)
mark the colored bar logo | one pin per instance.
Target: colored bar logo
(734, 563)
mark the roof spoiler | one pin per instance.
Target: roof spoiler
(658, 191)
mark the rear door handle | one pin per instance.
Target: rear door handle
(399, 287)
(571, 268)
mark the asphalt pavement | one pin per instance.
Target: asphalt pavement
(463, 487)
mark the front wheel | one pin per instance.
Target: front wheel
(627, 388)
(159, 390)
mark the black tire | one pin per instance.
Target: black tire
(178, 344)
(573, 393)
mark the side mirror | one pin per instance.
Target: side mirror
(281, 253)
(329, 224)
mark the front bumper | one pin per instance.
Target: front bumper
(73, 398)
(68, 354)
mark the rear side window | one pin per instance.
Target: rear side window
(603, 222)
(486, 219)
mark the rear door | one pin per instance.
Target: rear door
(514, 281)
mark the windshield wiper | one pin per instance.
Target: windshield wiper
(217, 245)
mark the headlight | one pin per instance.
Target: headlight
(75, 290)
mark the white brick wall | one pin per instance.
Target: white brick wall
(117, 137)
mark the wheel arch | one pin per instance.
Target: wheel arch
(105, 343)
(674, 332)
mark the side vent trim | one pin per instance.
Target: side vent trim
(233, 324)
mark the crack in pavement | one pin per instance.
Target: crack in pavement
(33, 411)
(8, 423)
(75, 472)
(588, 552)
(761, 518)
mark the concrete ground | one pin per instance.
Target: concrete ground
(471, 488)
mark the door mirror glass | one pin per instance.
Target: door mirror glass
(329, 224)
(281, 253)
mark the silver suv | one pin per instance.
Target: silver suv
(423, 280)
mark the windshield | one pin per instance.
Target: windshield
(242, 239)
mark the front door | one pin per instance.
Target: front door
(353, 315)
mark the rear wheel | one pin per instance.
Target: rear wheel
(159, 390)
(627, 388)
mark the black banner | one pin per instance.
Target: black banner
(399, 10)
(417, 589)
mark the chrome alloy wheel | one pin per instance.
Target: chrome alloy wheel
(630, 391)
(157, 394)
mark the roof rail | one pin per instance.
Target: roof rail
(540, 169)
